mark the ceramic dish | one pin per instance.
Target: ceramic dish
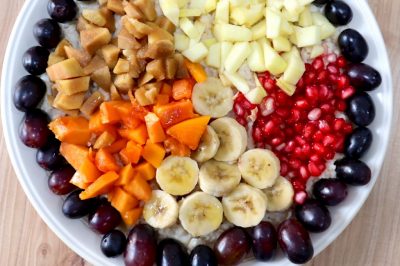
(79, 237)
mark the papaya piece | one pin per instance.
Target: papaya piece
(89, 171)
(102, 185)
(123, 201)
(138, 134)
(173, 113)
(154, 129)
(146, 170)
(126, 175)
(153, 154)
(176, 148)
(78, 181)
(106, 162)
(105, 139)
(139, 188)
(131, 217)
(74, 154)
(117, 146)
(109, 113)
(73, 130)
(182, 89)
(131, 153)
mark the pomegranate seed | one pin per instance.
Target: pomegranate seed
(323, 76)
(291, 145)
(328, 140)
(324, 126)
(300, 197)
(318, 136)
(257, 134)
(304, 172)
(341, 62)
(294, 163)
(341, 106)
(280, 147)
(298, 185)
(319, 148)
(242, 121)
(284, 169)
(332, 69)
(283, 112)
(310, 77)
(333, 78)
(323, 92)
(318, 64)
(312, 92)
(276, 141)
(314, 114)
(309, 130)
(339, 144)
(300, 141)
(327, 109)
(248, 105)
(294, 115)
(238, 110)
(302, 104)
(329, 155)
(306, 150)
(313, 169)
(282, 98)
(315, 158)
(321, 167)
(269, 128)
(347, 128)
(338, 124)
(331, 58)
(298, 127)
(343, 81)
(348, 92)
(267, 106)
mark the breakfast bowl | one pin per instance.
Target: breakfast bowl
(77, 235)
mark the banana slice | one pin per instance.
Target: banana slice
(280, 195)
(218, 178)
(245, 206)
(177, 175)
(260, 168)
(232, 137)
(161, 210)
(208, 146)
(200, 214)
(212, 98)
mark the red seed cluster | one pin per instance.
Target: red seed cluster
(303, 130)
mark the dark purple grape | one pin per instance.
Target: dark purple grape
(171, 253)
(34, 131)
(265, 241)
(314, 216)
(113, 243)
(203, 256)
(232, 246)
(47, 32)
(321, 2)
(358, 143)
(330, 192)
(49, 157)
(105, 219)
(74, 208)
(353, 172)
(59, 180)
(361, 109)
(353, 46)
(338, 13)
(364, 77)
(29, 92)
(141, 248)
(35, 59)
(62, 10)
(295, 241)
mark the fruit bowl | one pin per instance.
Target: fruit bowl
(78, 236)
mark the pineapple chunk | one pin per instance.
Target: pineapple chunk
(326, 28)
(183, 13)
(121, 67)
(289, 89)
(238, 81)
(236, 3)
(66, 69)
(94, 16)
(69, 102)
(182, 3)
(259, 30)
(222, 12)
(274, 63)
(197, 4)
(72, 86)
(188, 28)
(110, 54)
(124, 82)
(170, 9)
(275, 4)
(305, 19)
(210, 42)
(214, 56)
(308, 36)
(196, 53)
(316, 51)
(273, 23)
(290, 15)
(293, 6)
(295, 69)
(256, 95)
(286, 27)
(102, 77)
(200, 28)
(232, 33)
(237, 56)
(93, 39)
(256, 58)
(281, 44)
(181, 42)
(210, 6)
(247, 15)
(226, 48)
(116, 6)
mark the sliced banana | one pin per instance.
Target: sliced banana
(161, 210)
(218, 178)
(245, 206)
(177, 175)
(280, 195)
(212, 98)
(259, 167)
(232, 137)
(208, 146)
(200, 214)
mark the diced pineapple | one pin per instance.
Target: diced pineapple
(226, 48)
(286, 27)
(289, 89)
(116, 6)
(170, 9)
(197, 4)
(222, 12)
(66, 69)
(69, 102)
(210, 6)
(305, 18)
(238, 15)
(190, 12)
(188, 28)
(181, 42)
(232, 33)
(273, 23)
(259, 30)
(295, 69)
(275, 4)
(238, 81)
(308, 36)
(290, 16)
(274, 63)
(182, 3)
(196, 53)
(94, 16)
(293, 6)
(316, 51)
(236, 3)
(281, 44)
(200, 28)
(73, 86)
(256, 95)
(210, 42)
(326, 28)
(256, 59)
(214, 55)
(254, 13)
(237, 56)
(305, 2)
(121, 67)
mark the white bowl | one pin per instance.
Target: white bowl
(84, 241)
